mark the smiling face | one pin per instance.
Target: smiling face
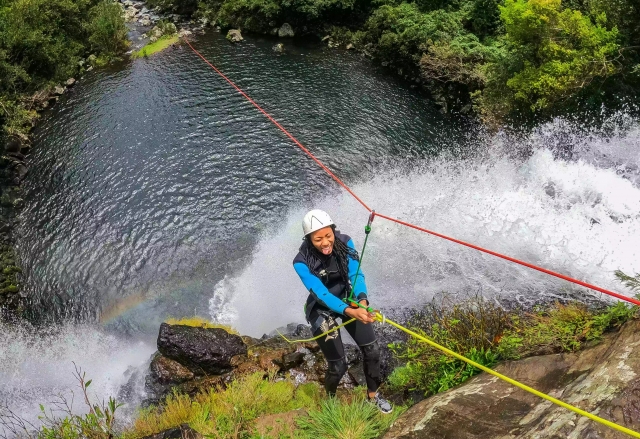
(322, 240)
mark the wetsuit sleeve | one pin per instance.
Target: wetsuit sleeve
(360, 288)
(317, 288)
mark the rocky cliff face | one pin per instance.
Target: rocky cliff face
(192, 359)
(604, 380)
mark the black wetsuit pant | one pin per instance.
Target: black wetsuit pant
(333, 350)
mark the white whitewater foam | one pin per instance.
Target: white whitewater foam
(37, 367)
(579, 217)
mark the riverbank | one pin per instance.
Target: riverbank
(100, 31)
(501, 61)
(44, 46)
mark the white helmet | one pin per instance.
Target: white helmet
(315, 220)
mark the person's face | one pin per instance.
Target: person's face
(323, 239)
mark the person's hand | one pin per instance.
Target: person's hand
(360, 314)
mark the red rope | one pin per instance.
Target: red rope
(300, 145)
(413, 226)
(517, 261)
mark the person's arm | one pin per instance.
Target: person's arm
(359, 286)
(317, 288)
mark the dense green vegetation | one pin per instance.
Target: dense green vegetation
(250, 407)
(485, 333)
(42, 42)
(233, 412)
(508, 59)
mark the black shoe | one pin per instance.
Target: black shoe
(382, 404)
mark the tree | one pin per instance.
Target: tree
(555, 52)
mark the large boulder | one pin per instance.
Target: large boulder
(204, 351)
(286, 31)
(604, 380)
(234, 36)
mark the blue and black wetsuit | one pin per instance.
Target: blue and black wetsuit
(327, 290)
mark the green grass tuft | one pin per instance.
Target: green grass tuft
(200, 322)
(156, 46)
(357, 419)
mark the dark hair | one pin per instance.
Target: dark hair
(341, 251)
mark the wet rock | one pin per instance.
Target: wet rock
(70, 82)
(289, 361)
(145, 22)
(156, 32)
(234, 36)
(184, 33)
(278, 48)
(202, 350)
(130, 14)
(58, 90)
(167, 371)
(286, 31)
(181, 432)
(604, 380)
(21, 171)
(14, 144)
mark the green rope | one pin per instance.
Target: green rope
(367, 230)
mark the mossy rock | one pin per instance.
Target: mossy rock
(11, 269)
(11, 289)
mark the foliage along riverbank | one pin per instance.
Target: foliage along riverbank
(43, 44)
(509, 60)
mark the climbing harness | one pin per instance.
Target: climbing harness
(381, 317)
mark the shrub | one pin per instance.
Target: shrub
(552, 54)
(483, 332)
(561, 328)
(107, 31)
(469, 327)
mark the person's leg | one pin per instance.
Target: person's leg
(333, 351)
(365, 338)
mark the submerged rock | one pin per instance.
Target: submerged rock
(201, 350)
(604, 380)
(234, 36)
(278, 48)
(286, 31)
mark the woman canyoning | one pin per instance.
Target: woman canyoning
(327, 263)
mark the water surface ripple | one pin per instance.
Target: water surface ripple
(149, 181)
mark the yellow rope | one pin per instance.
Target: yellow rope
(316, 337)
(598, 419)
